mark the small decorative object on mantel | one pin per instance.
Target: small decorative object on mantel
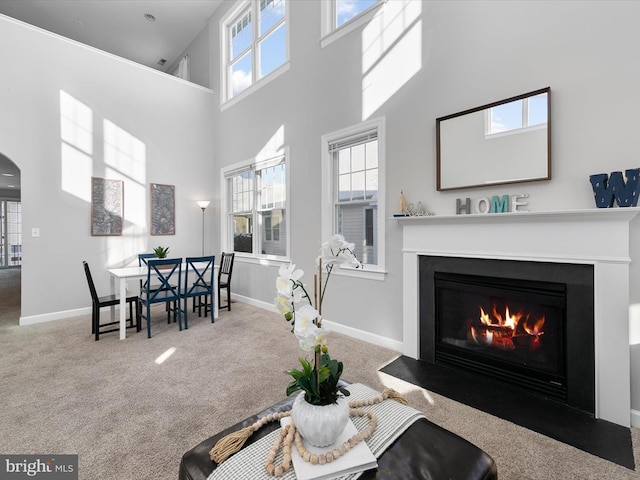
(409, 210)
(610, 188)
(496, 204)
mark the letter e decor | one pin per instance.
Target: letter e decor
(607, 189)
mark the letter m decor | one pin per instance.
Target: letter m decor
(607, 189)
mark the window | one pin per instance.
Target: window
(340, 17)
(354, 204)
(257, 206)
(517, 115)
(254, 43)
(345, 10)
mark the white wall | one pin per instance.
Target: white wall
(168, 120)
(198, 52)
(433, 59)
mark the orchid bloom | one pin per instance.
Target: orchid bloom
(308, 334)
(283, 304)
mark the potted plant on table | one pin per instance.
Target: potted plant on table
(322, 401)
(161, 252)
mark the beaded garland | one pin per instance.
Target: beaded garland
(230, 444)
(289, 435)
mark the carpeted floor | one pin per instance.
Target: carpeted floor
(129, 417)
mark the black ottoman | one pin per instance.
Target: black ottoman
(424, 451)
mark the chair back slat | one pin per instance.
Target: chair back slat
(226, 266)
(202, 280)
(92, 287)
(164, 291)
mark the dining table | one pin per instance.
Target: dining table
(119, 277)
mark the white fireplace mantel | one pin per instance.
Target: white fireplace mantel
(599, 237)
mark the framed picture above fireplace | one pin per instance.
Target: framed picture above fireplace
(508, 141)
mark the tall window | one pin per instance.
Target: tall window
(354, 167)
(257, 205)
(10, 233)
(254, 43)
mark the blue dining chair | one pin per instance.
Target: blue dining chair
(198, 282)
(168, 272)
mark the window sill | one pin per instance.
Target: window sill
(255, 87)
(269, 262)
(353, 24)
(378, 275)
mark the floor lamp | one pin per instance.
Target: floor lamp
(203, 205)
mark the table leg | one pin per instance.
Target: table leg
(112, 309)
(123, 308)
(214, 297)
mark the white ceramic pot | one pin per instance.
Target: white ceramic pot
(320, 425)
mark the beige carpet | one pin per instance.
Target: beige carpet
(128, 417)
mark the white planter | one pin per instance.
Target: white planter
(320, 425)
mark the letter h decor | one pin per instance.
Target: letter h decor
(607, 189)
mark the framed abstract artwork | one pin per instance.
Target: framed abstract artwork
(163, 209)
(107, 206)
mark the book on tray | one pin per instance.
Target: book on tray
(358, 459)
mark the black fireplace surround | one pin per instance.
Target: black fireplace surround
(554, 358)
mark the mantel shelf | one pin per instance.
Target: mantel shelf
(591, 215)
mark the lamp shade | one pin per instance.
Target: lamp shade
(203, 203)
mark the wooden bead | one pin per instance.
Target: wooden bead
(329, 457)
(314, 459)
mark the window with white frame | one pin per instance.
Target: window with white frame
(254, 43)
(256, 208)
(342, 16)
(354, 205)
(517, 115)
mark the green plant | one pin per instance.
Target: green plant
(323, 392)
(161, 252)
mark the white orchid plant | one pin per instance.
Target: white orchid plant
(320, 379)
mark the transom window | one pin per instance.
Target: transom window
(340, 17)
(257, 208)
(255, 43)
(345, 10)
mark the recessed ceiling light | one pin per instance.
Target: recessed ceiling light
(150, 17)
(7, 174)
(11, 186)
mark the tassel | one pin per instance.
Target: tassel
(227, 446)
(392, 394)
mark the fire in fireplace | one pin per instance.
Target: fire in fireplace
(529, 324)
(512, 329)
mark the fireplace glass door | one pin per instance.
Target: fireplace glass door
(510, 329)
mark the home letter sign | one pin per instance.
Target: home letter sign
(607, 189)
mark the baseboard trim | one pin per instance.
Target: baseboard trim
(635, 418)
(333, 326)
(50, 317)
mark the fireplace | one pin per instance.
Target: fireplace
(602, 241)
(529, 324)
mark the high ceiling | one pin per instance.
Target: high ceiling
(118, 27)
